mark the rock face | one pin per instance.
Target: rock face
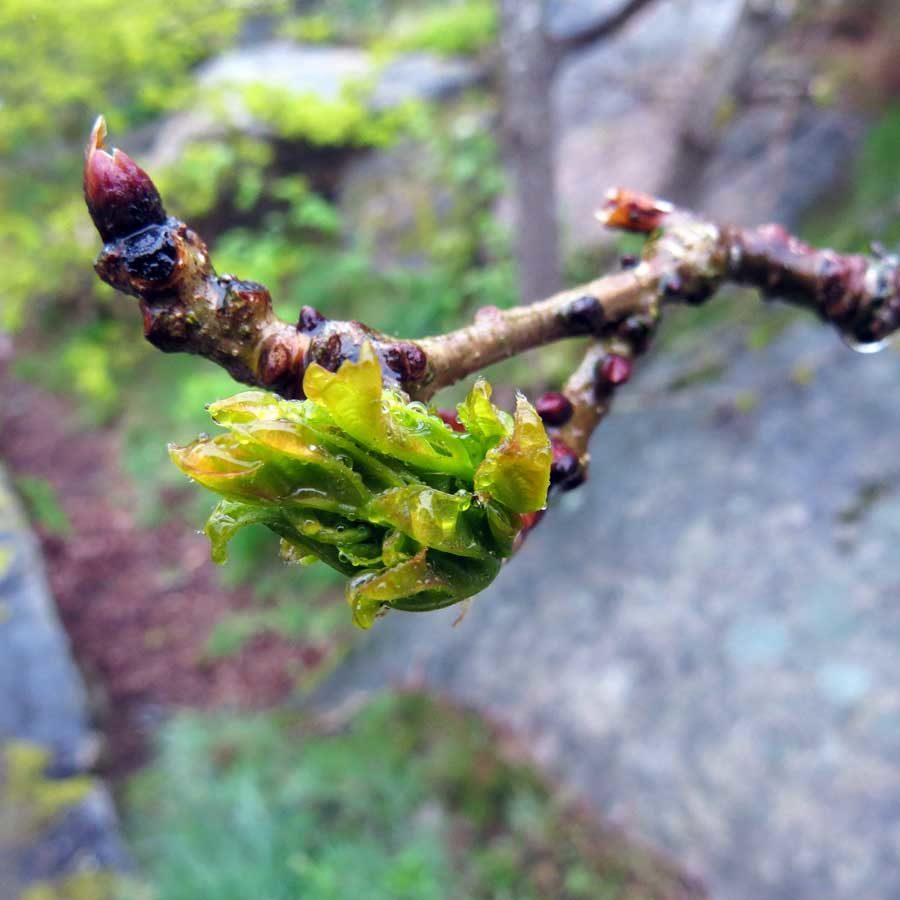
(45, 744)
(619, 106)
(322, 71)
(703, 641)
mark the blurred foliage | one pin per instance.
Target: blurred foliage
(412, 799)
(42, 504)
(266, 217)
(61, 64)
(290, 618)
(869, 209)
(344, 121)
(455, 29)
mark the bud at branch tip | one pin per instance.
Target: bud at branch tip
(119, 194)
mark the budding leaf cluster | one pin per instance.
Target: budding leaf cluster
(419, 516)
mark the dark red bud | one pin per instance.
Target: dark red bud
(119, 194)
(637, 331)
(554, 408)
(585, 315)
(565, 469)
(451, 418)
(415, 362)
(408, 360)
(310, 319)
(614, 369)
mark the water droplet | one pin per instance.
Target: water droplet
(866, 348)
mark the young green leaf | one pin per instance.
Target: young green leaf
(419, 516)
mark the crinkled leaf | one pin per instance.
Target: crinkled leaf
(227, 519)
(516, 471)
(381, 421)
(429, 580)
(248, 406)
(433, 518)
(504, 525)
(418, 516)
(481, 418)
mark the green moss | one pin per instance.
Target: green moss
(342, 121)
(454, 29)
(316, 28)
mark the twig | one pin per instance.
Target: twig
(188, 308)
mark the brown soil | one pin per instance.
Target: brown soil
(138, 603)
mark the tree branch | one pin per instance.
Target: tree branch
(188, 308)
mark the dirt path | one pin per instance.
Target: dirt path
(138, 603)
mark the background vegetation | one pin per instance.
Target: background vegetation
(410, 798)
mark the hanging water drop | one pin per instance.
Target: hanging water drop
(865, 347)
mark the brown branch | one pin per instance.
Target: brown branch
(593, 308)
(188, 308)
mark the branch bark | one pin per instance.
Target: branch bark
(188, 308)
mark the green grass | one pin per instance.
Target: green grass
(411, 799)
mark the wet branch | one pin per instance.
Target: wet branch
(189, 308)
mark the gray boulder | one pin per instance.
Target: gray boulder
(44, 732)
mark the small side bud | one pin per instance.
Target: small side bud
(614, 370)
(566, 471)
(554, 408)
(119, 194)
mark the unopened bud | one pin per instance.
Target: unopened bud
(566, 471)
(119, 194)
(554, 408)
